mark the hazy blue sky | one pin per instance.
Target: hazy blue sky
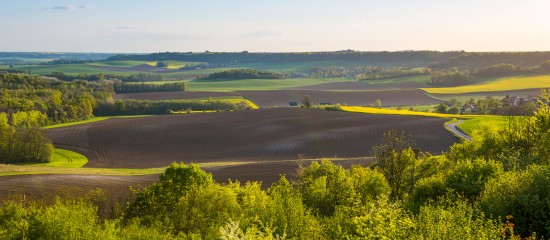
(274, 25)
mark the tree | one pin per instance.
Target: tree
(454, 110)
(378, 103)
(161, 65)
(441, 108)
(395, 157)
(307, 102)
(160, 199)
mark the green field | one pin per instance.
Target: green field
(66, 68)
(500, 84)
(258, 84)
(305, 67)
(118, 63)
(498, 122)
(418, 79)
(64, 158)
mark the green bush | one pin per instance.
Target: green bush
(204, 210)
(525, 195)
(161, 198)
(325, 186)
(467, 179)
(288, 216)
(454, 219)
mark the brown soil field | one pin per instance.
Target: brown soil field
(360, 86)
(242, 136)
(172, 95)
(518, 93)
(281, 98)
(117, 187)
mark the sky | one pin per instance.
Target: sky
(136, 26)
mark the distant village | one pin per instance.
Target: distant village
(522, 105)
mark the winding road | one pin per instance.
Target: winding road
(453, 127)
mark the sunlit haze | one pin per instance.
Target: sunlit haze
(274, 26)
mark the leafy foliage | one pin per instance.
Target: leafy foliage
(235, 74)
(524, 195)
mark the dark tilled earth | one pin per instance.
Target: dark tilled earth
(250, 136)
(117, 188)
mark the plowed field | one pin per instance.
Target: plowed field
(254, 135)
(117, 187)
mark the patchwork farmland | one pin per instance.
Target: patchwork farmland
(281, 98)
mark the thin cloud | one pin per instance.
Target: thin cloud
(262, 33)
(69, 7)
(87, 6)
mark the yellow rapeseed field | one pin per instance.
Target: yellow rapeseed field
(371, 110)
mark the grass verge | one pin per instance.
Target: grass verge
(94, 119)
(34, 169)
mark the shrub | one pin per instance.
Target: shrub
(161, 198)
(325, 186)
(525, 195)
(454, 219)
(203, 210)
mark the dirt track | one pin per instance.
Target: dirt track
(253, 135)
(281, 98)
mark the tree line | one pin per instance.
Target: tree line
(57, 100)
(30, 102)
(235, 74)
(363, 73)
(140, 77)
(146, 107)
(124, 87)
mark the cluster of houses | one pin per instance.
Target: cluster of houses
(508, 101)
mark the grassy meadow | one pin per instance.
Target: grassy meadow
(500, 84)
(258, 84)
